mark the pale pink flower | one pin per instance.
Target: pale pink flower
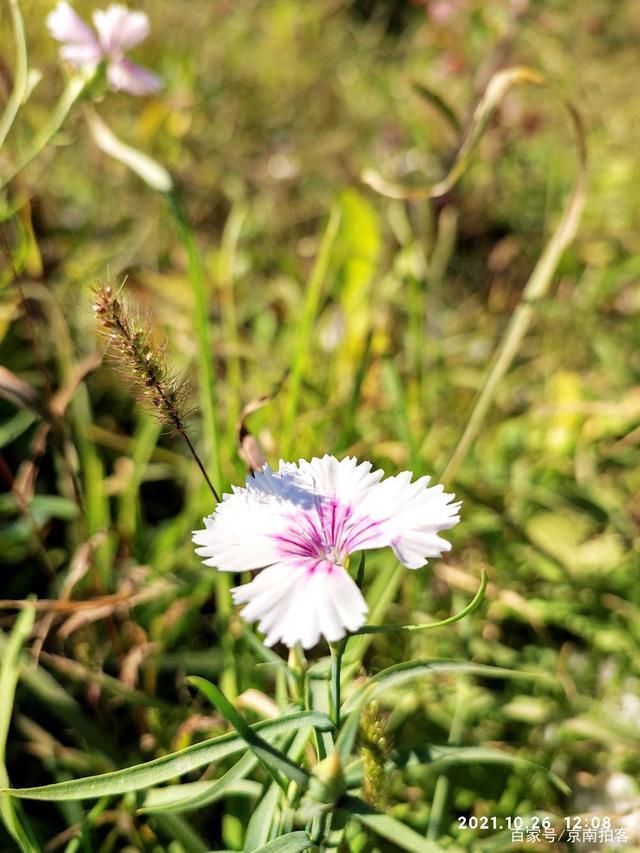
(117, 31)
(300, 524)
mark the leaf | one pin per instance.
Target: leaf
(9, 671)
(152, 173)
(399, 674)
(442, 106)
(392, 676)
(473, 605)
(498, 86)
(259, 827)
(20, 74)
(445, 756)
(271, 758)
(267, 811)
(195, 795)
(293, 842)
(163, 769)
(388, 827)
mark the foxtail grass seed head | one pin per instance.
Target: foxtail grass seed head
(374, 751)
(300, 524)
(144, 363)
(117, 30)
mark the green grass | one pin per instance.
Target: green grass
(386, 317)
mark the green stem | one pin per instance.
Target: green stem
(207, 385)
(337, 651)
(230, 238)
(441, 790)
(74, 89)
(309, 312)
(534, 292)
(20, 80)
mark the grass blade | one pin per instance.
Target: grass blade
(292, 842)
(9, 673)
(167, 767)
(471, 607)
(309, 313)
(195, 795)
(20, 77)
(272, 759)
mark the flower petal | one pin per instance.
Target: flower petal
(345, 479)
(126, 76)
(119, 29)
(242, 532)
(81, 46)
(406, 516)
(300, 601)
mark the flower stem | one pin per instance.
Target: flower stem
(74, 89)
(337, 651)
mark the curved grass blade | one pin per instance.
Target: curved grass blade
(151, 172)
(305, 336)
(473, 605)
(196, 795)
(167, 767)
(20, 77)
(272, 759)
(441, 105)
(534, 292)
(498, 86)
(445, 756)
(293, 842)
(9, 673)
(392, 676)
(399, 674)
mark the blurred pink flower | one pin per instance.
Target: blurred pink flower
(117, 31)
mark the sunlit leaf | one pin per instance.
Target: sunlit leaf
(167, 767)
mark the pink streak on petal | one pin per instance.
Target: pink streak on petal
(119, 29)
(126, 76)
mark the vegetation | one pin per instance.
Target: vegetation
(322, 262)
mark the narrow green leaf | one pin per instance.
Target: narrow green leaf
(399, 674)
(20, 74)
(263, 819)
(305, 332)
(445, 756)
(272, 759)
(167, 767)
(293, 842)
(9, 672)
(176, 829)
(388, 827)
(473, 605)
(194, 795)
(268, 810)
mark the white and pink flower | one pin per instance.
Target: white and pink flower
(300, 524)
(117, 31)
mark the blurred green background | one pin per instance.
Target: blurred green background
(270, 113)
